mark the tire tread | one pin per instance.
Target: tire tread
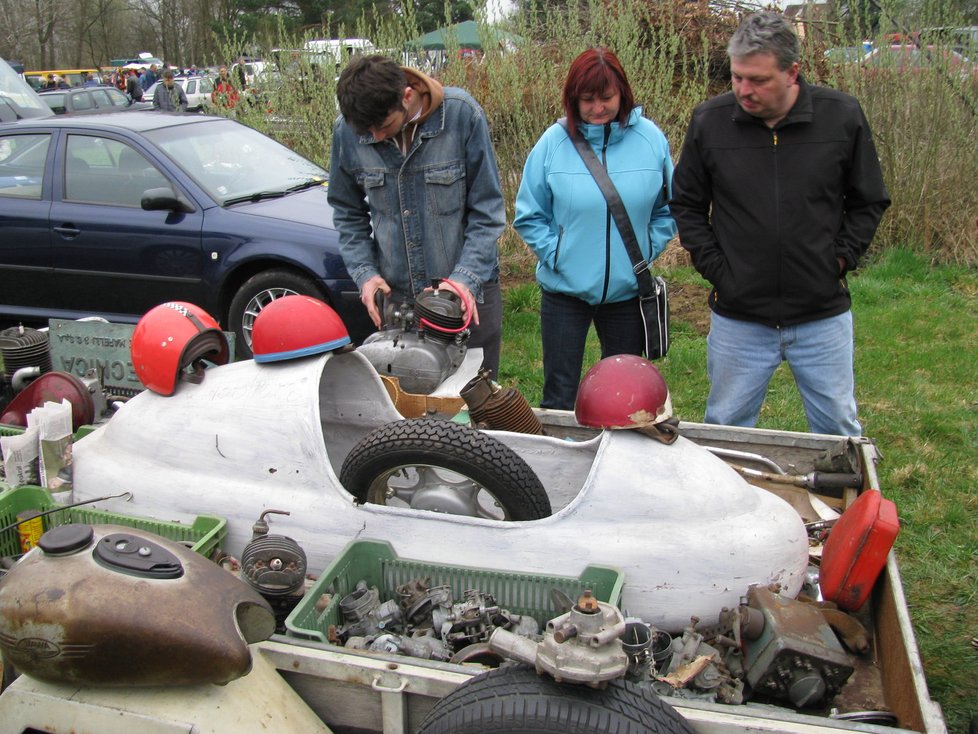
(518, 701)
(457, 447)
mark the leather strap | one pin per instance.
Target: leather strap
(640, 266)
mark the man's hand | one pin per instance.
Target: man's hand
(368, 295)
(468, 301)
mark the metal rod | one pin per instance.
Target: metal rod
(745, 456)
(59, 508)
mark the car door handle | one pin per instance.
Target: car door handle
(68, 230)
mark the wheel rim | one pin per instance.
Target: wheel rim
(255, 306)
(434, 488)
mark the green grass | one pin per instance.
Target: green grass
(917, 387)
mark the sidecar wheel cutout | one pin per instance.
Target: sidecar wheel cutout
(443, 467)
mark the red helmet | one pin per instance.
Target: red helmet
(296, 326)
(172, 337)
(622, 392)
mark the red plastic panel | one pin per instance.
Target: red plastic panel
(856, 550)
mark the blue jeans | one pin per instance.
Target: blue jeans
(742, 357)
(564, 323)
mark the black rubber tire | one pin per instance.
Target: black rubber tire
(8, 674)
(515, 700)
(258, 291)
(452, 446)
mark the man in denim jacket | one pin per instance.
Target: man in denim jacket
(415, 192)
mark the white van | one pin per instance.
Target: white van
(340, 49)
(252, 68)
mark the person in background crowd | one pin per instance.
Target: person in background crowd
(88, 81)
(584, 271)
(777, 194)
(242, 74)
(56, 82)
(149, 77)
(169, 96)
(224, 94)
(119, 79)
(415, 193)
(133, 88)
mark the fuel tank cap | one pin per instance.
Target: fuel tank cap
(66, 539)
(137, 556)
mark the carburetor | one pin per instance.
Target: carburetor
(581, 646)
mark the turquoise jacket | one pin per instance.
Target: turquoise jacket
(563, 217)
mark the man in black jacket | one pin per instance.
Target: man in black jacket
(777, 194)
(133, 88)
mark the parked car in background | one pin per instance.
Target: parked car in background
(252, 68)
(86, 100)
(18, 100)
(197, 88)
(908, 57)
(111, 215)
(141, 61)
(71, 77)
(845, 54)
(963, 39)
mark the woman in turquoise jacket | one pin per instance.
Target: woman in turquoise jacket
(584, 271)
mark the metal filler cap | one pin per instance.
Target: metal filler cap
(66, 539)
(136, 556)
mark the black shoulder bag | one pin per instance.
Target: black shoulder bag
(653, 299)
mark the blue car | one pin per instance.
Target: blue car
(110, 215)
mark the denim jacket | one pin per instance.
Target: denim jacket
(435, 213)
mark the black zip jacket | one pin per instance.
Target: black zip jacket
(765, 213)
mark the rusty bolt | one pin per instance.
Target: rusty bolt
(587, 603)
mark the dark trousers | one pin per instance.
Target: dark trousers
(564, 323)
(489, 333)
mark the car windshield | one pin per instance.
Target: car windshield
(17, 99)
(233, 162)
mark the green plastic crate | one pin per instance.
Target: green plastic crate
(7, 429)
(206, 533)
(376, 563)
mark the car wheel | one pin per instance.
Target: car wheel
(8, 674)
(444, 467)
(256, 293)
(515, 700)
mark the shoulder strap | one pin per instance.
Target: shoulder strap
(639, 264)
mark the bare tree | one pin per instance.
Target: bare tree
(28, 31)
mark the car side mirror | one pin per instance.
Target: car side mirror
(165, 199)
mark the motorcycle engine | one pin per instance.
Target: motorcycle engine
(421, 344)
(275, 567)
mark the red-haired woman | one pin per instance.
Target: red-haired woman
(584, 271)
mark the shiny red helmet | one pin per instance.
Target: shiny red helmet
(296, 326)
(169, 343)
(624, 391)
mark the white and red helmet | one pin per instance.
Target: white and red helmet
(171, 338)
(296, 326)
